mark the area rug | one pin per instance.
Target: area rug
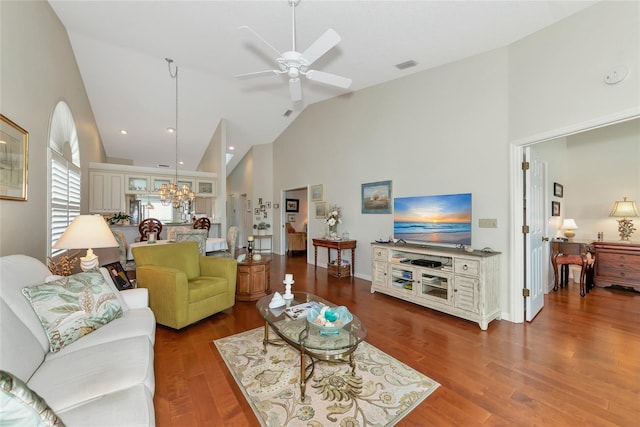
(381, 393)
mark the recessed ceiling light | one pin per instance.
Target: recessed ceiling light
(171, 130)
(407, 64)
(123, 131)
(232, 148)
(181, 162)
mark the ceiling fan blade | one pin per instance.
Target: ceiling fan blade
(295, 88)
(258, 74)
(321, 46)
(244, 27)
(329, 79)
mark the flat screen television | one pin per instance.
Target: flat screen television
(433, 220)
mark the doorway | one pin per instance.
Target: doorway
(520, 273)
(298, 217)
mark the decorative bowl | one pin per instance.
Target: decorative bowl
(329, 320)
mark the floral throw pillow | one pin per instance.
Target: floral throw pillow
(21, 406)
(72, 307)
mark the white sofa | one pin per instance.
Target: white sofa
(104, 378)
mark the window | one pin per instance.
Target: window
(64, 172)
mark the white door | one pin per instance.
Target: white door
(536, 261)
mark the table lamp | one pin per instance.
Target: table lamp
(623, 209)
(87, 232)
(569, 225)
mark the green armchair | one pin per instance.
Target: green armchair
(184, 287)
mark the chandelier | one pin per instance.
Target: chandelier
(172, 194)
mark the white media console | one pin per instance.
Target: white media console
(460, 283)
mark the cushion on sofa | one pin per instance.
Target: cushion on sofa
(73, 307)
(21, 406)
(94, 372)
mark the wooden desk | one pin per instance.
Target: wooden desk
(253, 280)
(338, 245)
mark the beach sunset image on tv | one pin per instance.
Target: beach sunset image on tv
(444, 219)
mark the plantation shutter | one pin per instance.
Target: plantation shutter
(65, 196)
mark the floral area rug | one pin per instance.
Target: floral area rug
(382, 391)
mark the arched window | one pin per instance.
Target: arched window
(64, 197)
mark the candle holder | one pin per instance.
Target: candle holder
(250, 249)
(288, 281)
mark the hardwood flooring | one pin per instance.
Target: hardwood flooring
(577, 363)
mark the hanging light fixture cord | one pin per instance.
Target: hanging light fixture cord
(172, 193)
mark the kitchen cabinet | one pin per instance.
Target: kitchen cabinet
(106, 192)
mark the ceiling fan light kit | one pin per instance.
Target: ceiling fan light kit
(295, 64)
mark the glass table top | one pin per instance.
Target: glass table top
(299, 333)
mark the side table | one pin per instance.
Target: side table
(338, 245)
(254, 280)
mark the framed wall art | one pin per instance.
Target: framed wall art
(14, 154)
(555, 208)
(291, 218)
(316, 193)
(321, 209)
(291, 205)
(376, 197)
(558, 189)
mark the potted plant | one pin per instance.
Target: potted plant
(120, 218)
(262, 228)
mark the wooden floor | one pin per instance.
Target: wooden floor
(577, 363)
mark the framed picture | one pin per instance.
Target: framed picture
(558, 190)
(268, 204)
(257, 212)
(118, 276)
(291, 218)
(291, 205)
(376, 197)
(316, 193)
(276, 206)
(13, 160)
(262, 208)
(321, 209)
(555, 208)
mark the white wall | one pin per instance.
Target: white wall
(604, 166)
(37, 70)
(556, 76)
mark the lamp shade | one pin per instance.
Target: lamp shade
(87, 231)
(624, 208)
(569, 224)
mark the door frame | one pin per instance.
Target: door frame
(516, 189)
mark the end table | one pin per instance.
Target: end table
(253, 279)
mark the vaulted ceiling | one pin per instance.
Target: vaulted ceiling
(121, 46)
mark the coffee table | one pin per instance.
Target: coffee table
(307, 339)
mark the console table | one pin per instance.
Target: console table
(338, 245)
(617, 263)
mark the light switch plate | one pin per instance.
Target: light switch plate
(488, 223)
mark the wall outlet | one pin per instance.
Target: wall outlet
(488, 223)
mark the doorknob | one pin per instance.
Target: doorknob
(545, 239)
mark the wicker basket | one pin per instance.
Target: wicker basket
(339, 271)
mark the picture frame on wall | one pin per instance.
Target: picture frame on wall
(291, 218)
(321, 209)
(316, 193)
(292, 205)
(555, 208)
(558, 190)
(14, 159)
(376, 197)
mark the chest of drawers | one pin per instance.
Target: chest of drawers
(617, 264)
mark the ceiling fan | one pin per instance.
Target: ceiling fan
(296, 64)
